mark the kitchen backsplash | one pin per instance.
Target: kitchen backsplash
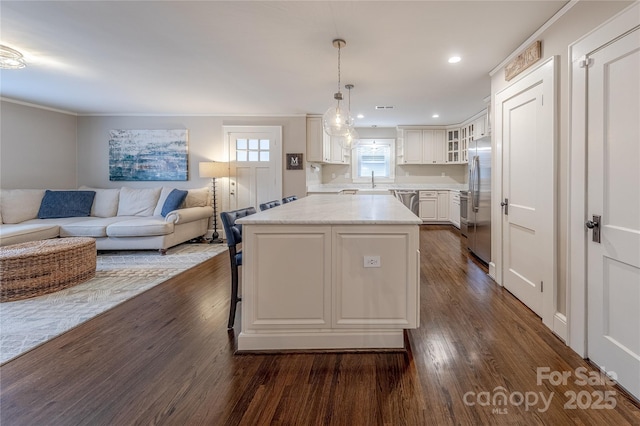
(430, 174)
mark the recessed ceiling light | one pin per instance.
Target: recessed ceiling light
(454, 59)
(360, 116)
(435, 116)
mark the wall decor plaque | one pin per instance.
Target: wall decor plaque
(524, 60)
(294, 161)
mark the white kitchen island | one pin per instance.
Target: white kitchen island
(330, 272)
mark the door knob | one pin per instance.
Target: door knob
(595, 225)
(505, 204)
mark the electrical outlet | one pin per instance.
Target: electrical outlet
(372, 261)
(333, 175)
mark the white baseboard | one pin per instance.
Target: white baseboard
(492, 271)
(560, 326)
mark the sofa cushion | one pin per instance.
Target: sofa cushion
(138, 202)
(106, 202)
(19, 205)
(139, 227)
(66, 204)
(95, 227)
(197, 198)
(173, 201)
(22, 233)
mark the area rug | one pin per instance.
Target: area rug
(120, 275)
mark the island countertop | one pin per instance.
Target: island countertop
(335, 209)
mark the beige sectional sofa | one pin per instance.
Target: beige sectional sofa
(120, 219)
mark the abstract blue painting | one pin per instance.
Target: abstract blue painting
(138, 155)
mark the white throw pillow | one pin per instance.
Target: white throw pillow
(105, 204)
(197, 198)
(138, 202)
(163, 197)
(19, 205)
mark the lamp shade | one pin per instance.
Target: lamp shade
(212, 169)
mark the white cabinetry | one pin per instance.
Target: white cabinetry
(328, 297)
(443, 206)
(481, 127)
(453, 145)
(322, 148)
(357, 289)
(434, 206)
(454, 208)
(423, 146)
(428, 208)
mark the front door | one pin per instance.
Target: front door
(255, 155)
(613, 193)
(527, 133)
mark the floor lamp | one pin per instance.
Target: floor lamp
(214, 170)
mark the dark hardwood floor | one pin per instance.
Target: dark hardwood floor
(165, 357)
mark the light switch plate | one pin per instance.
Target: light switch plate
(372, 261)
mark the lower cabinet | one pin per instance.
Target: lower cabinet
(434, 206)
(336, 286)
(428, 209)
(374, 278)
(454, 208)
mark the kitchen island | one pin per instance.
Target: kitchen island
(330, 272)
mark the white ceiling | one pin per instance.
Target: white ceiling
(263, 58)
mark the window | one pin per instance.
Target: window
(252, 149)
(375, 156)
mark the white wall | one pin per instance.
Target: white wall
(578, 21)
(205, 143)
(37, 148)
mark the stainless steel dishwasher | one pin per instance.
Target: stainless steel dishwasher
(409, 199)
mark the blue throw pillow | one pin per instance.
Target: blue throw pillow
(56, 204)
(173, 201)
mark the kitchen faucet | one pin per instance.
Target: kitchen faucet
(373, 185)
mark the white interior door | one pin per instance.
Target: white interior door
(255, 155)
(528, 175)
(613, 193)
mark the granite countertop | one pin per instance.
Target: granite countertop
(384, 187)
(333, 209)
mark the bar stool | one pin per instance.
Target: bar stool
(269, 205)
(233, 233)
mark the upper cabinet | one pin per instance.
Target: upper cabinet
(456, 138)
(421, 146)
(481, 127)
(321, 148)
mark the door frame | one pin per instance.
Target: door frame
(546, 72)
(226, 130)
(576, 275)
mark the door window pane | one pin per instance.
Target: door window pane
(252, 149)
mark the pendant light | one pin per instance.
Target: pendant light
(337, 121)
(352, 138)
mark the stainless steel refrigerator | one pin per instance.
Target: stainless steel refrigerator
(479, 204)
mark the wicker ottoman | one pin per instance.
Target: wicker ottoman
(40, 267)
